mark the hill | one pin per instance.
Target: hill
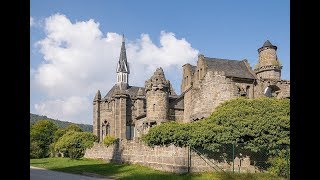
(61, 124)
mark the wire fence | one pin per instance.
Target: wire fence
(244, 158)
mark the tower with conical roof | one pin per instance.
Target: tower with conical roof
(268, 66)
(123, 70)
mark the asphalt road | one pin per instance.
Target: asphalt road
(44, 174)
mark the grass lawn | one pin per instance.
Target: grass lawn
(133, 171)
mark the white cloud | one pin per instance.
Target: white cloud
(31, 21)
(79, 59)
(73, 109)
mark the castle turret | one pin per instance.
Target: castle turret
(123, 70)
(96, 114)
(268, 66)
(157, 95)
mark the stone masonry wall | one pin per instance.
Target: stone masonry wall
(157, 105)
(214, 89)
(169, 159)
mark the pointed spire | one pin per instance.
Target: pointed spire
(98, 96)
(122, 63)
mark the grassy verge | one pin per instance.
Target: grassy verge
(133, 171)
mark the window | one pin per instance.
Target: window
(154, 107)
(129, 132)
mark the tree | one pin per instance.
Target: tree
(41, 136)
(260, 124)
(73, 144)
(61, 131)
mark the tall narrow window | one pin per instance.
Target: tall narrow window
(108, 129)
(125, 78)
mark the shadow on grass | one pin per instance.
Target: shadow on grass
(39, 163)
(246, 176)
(121, 171)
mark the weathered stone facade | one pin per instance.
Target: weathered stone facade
(126, 112)
(170, 159)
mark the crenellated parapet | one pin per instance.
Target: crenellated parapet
(157, 82)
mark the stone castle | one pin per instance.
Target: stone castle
(126, 112)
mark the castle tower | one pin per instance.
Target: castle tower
(157, 95)
(96, 114)
(123, 67)
(120, 114)
(140, 102)
(268, 66)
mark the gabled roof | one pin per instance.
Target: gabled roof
(231, 68)
(131, 90)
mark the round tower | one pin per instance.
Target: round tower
(268, 66)
(157, 96)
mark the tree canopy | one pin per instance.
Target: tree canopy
(260, 124)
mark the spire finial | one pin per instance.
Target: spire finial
(122, 37)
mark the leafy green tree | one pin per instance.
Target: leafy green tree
(73, 144)
(261, 124)
(61, 131)
(41, 136)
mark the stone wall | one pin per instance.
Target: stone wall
(157, 105)
(169, 159)
(214, 89)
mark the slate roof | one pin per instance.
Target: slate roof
(131, 90)
(232, 68)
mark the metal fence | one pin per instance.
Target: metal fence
(245, 158)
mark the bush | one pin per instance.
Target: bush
(73, 144)
(261, 124)
(280, 165)
(35, 150)
(109, 140)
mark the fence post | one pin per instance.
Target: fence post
(233, 157)
(189, 158)
(288, 165)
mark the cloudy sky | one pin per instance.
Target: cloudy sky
(75, 44)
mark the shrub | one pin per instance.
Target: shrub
(73, 144)
(109, 140)
(261, 124)
(280, 164)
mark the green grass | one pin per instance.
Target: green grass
(133, 171)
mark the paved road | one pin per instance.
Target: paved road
(44, 174)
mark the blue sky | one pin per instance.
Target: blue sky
(75, 44)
